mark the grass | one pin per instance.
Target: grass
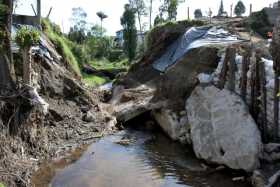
(93, 81)
(61, 44)
(106, 64)
(1, 185)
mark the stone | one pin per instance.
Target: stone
(89, 117)
(222, 129)
(177, 128)
(130, 103)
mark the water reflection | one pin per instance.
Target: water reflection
(149, 160)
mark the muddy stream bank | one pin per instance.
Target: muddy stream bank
(134, 157)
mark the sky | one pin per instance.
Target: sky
(62, 9)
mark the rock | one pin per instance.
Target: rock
(258, 179)
(222, 130)
(271, 152)
(177, 128)
(89, 117)
(130, 103)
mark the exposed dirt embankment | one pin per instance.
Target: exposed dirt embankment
(74, 117)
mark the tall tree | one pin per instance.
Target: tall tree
(221, 9)
(141, 11)
(239, 8)
(129, 31)
(198, 13)
(170, 7)
(102, 16)
(6, 7)
(78, 25)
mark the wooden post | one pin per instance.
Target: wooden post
(263, 120)
(274, 49)
(245, 69)
(253, 85)
(232, 69)
(230, 54)
(39, 11)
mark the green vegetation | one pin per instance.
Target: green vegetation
(239, 8)
(61, 43)
(129, 32)
(105, 64)
(2, 185)
(26, 37)
(259, 23)
(93, 81)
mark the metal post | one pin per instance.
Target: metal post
(188, 13)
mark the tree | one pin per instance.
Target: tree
(221, 9)
(6, 64)
(170, 7)
(239, 8)
(78, 27)
(102, 16)
(141, 11)
(129, 32)
(198, 13)
(158, 20)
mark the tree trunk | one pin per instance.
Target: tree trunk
(26, 55)
(6, 53)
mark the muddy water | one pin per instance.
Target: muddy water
(140, 159)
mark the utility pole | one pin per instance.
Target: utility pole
(188, 13)
(251, 9)
(151, 11)
(39, 11)
(231, 7)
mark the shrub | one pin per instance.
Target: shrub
(26, 37)
(259, 23)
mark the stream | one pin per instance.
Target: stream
(139, 158)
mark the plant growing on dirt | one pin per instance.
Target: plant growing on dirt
(25, 39)
(198, 13)
(239, 8)
(129, 32)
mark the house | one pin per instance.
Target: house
(119, 38)
(276, 4)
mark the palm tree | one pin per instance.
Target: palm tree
(102, 16)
